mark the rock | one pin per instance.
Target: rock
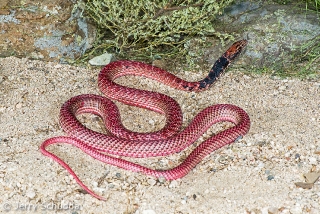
(18, 105)
(3, 4)
(270, 177)
(272, 210)
(118, 175)
(49, 30)
(304, 185)
(275, 32)
(283, 87)
(312, 177)
(297, 209)
(162, 179)
(151, 122)
(173, 184)
(148, 212)
(30, 194)
(103, 59)
(312, 160)
(151, 181)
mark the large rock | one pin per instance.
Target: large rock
(52, 30)
(275, 32)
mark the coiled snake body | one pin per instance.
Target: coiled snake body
(123, 142)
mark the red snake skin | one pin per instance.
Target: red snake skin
(123, 142)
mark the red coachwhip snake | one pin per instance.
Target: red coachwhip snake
(123, 142)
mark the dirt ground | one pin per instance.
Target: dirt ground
(256, 174)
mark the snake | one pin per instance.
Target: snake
(119, 141)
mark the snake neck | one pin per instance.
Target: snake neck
(218, 68)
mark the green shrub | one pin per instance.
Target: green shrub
(156, 28)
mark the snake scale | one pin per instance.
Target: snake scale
(120, 141)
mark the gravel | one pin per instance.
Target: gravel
(257, 174)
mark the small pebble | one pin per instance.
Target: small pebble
(148, 212)
(287, 154)
(58, 66)
(296, 210)
(313, 160)
(270, 177)
(152, 182)
(162, 179)
(173, 184)
(264, 210)
(239, 138)
(282, 87)
(304, 185)
(151, 122)
(273, 210)
(261, 165)
(30, 194)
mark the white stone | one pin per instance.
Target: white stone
(296, 210)
(173, 184)
(151, 122)
(265, 210)
(103, 59)
(313, 160)
(30, 194)
(152, 182)
(272, 210)
(148, 212)
(282, 87)
(19, 105)
(95, 184)
(58, 66)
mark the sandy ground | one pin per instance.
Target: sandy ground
(254, 175)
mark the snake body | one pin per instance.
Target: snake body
(122, 142)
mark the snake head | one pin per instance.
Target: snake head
(236, 49)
